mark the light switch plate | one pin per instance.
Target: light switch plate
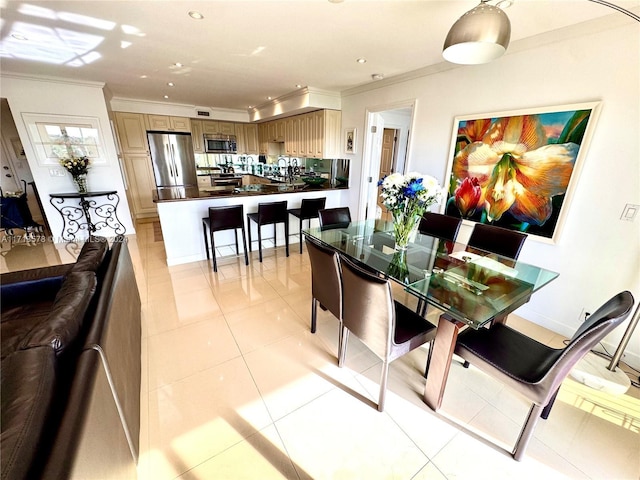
(630, 212)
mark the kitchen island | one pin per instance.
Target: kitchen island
(181, 211)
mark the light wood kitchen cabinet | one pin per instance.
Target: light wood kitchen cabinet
(276, 130)
(168, 124)
(141, 184)
(217, 127)
(291, 137)
(196, 136)
(263, 139)
(247, 138)
(327, 125)
(314, 135)
(308, 136)
(132, 132)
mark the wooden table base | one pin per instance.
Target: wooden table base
(443, 347)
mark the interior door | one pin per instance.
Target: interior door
(375, 138)
(386, 165)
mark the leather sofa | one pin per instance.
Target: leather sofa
(71, 367)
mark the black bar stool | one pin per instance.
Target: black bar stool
(270, 213)
(308, 210)
(224, 218)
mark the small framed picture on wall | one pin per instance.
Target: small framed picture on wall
(350, 140)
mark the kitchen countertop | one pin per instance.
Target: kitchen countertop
(194, 193)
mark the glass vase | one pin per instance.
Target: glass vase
(80, 182)
(404, 228)
(398, 268)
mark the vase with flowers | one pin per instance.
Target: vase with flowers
(78, 168)
(407, 197)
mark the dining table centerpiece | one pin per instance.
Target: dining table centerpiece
(78, 168)
(407, 197)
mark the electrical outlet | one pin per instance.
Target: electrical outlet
(56, 172)
(584, 314)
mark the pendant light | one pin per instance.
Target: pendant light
(479, 36)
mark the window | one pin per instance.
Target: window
(55, 137)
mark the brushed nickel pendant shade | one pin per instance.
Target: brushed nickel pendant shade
(479, 36)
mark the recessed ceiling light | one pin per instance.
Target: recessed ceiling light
(377, 76)
(177, 64)
(143, 76)
(504, 4)
(361, 60)
(269, 98)
(166, 96)
(196, 15)
(171, 84)
(298, 86)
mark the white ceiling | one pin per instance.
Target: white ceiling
(244, 51)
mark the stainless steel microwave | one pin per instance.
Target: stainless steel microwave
(220, 143)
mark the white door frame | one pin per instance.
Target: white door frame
(371, 153)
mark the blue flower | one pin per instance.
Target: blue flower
(413, 188)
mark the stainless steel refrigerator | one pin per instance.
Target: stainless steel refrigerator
(174, 164)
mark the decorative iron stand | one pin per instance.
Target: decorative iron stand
(79, 217)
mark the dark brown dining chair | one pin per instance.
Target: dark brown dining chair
(308, 209)
(326, 281)
(224, 218)
(270, 213)
(499, 240)
(442, 226)
(532, 368)
(439, 225)
(386, 327)
(334, 217)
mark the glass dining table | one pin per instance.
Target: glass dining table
(471, 288)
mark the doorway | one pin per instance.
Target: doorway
(15, 173)
(383, 156)
(387, 166)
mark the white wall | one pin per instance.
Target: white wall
(598, 255)
(49, 96)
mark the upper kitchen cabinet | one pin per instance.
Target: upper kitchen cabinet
(315, 134)
(216, 127)
(263, 138)
(326, 127)
(166, 123)
(196, 136)
(247, 138)
(132, 132)
(276, 130)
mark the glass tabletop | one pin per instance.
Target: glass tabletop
(472, 286)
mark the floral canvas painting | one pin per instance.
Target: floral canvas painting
(518, 171)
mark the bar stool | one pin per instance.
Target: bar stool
(224, 218)
(308, 210)
(270, 213)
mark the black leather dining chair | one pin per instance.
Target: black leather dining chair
(270, 213)
(439, 225)
(532, 368)
(386, 327)
(499, 240)
(332, 217)
(224, 218)
(308, 209)
(326, 282)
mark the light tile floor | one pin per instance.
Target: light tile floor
(236, 387)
